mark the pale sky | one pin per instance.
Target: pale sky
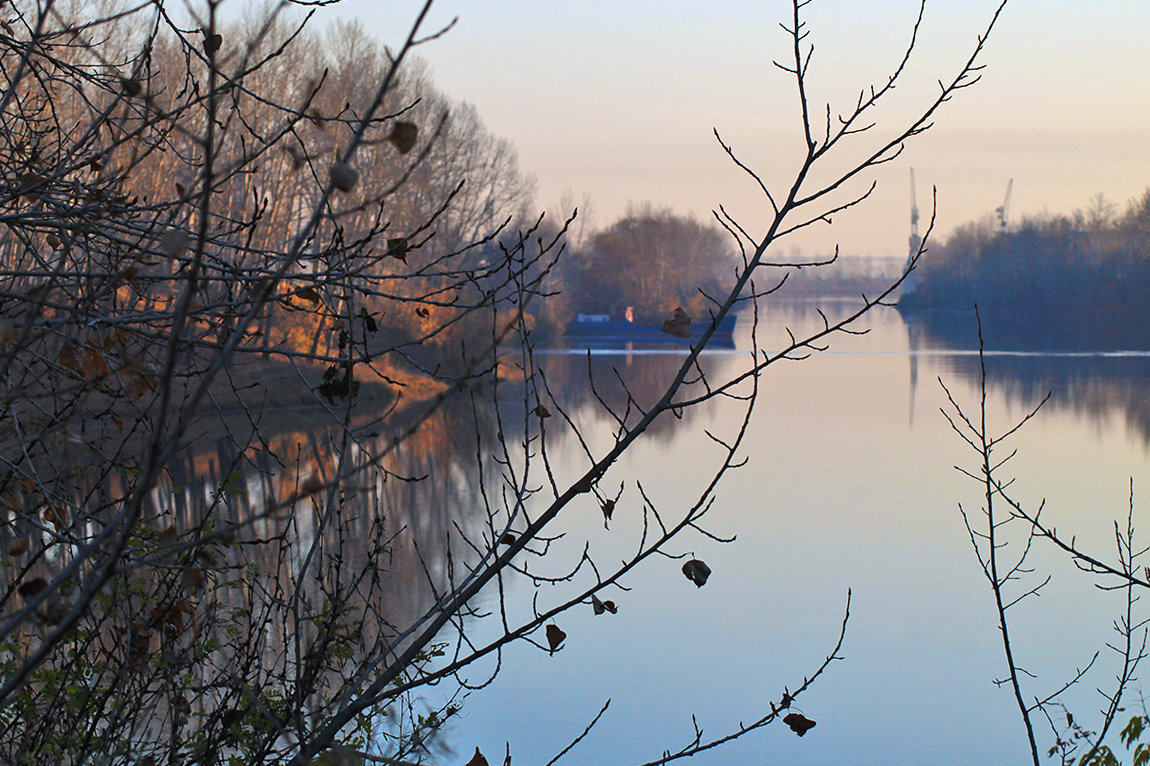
(616, 100)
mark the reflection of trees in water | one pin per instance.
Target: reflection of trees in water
(1026, 368)
(625, 375)
(587, 384)
(395, 514)
(363, 541)
(239, 614)
(1102, 329)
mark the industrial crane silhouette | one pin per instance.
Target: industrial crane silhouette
(1003, 212)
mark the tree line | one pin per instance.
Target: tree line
(1093, 264)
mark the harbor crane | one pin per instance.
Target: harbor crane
(1003, 212)
(915, 243)
(915, 237)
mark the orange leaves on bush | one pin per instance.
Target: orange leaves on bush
(697, 572)
(555, 636)
(679, 325)
(403, 136)
(308, 294)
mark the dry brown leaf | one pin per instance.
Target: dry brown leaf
(477, 759)
(32, 587)
(603, 606)
(397, 247)
(95, 366)
(30, 183)
(56, 517)
(212, 42)
(679, 325)
(17, 547)
(555, 636)
(799, 723)
(697, 572)
(192, 578)
(343, 176)
(403, 136)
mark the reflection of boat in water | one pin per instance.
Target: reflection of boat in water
(598, 327)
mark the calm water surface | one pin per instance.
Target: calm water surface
(850, 484)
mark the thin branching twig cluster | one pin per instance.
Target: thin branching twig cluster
(1003, 535)
(277, 452)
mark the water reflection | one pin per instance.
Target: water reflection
(848, 491)
(841, 491)
(626, 380)
(1083, 374)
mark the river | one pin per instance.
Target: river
(850, 485)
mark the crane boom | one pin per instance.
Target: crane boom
(1003, 212)
(915, 238)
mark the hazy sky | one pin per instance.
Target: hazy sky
(617, 100)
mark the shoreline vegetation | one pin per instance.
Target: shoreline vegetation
(1052, 281)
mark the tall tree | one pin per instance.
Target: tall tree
(653, 260)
